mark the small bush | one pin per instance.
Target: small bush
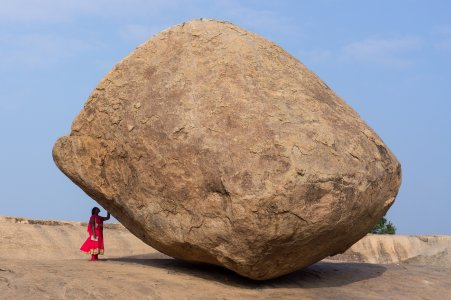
(384, 227)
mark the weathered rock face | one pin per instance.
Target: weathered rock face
(213, 144)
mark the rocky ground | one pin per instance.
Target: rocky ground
(40, 260)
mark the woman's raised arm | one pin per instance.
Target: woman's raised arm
(107, 216)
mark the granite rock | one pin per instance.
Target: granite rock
(213, 144)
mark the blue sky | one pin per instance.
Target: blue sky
(390, 60)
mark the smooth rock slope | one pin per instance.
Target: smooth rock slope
(212, 144)
(434, 250)
(27, 239)
(39, 259)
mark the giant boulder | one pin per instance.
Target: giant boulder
(212, 144)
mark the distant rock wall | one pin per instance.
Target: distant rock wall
(44, 239)
(386, 249)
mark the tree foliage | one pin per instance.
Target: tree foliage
(384, 227)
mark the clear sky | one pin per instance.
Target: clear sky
(390, 60)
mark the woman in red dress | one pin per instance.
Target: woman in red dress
(94, 243)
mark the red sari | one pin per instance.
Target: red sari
(91, 246)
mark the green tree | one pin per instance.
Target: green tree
(384, 227)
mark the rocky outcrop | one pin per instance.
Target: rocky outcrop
(389, 249)
(212, 144)
(27, 239)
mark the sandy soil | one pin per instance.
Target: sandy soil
(31, 268)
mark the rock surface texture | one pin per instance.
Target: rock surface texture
(212, 144)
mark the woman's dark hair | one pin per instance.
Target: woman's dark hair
(94, 210)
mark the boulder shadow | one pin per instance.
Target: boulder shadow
(320, 275)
